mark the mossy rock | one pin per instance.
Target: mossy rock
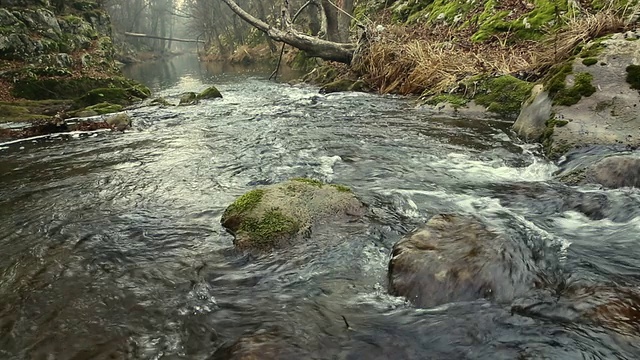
(72, 88)
(31, 110)
(504, 95)
(188, 98)
(210, 93)
(118, 96)
(456, 101)
(104, 108)
(279, 214)
(633, 76)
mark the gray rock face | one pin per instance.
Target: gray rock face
(608, 116)
(457, 258)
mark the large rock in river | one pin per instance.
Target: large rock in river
(271, 216)
(611, 172)
(592, 100)
(457, 258)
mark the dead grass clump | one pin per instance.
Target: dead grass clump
(578, 31)
(393, 65)
(405, 60)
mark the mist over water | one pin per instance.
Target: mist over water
(112, 246)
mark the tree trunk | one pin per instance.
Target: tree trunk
(328, 50)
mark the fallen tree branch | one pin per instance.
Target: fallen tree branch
(161, 38)
(328, 50)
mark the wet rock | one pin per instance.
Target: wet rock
(592, 100)
(614, 308)
(457, 258)
(343, 85)
(262, 345)
(210, 93)
(160, 101)
(278, 214)
(119, 122)
(611, 172)
(189, 98)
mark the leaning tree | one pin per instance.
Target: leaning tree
(336, 48)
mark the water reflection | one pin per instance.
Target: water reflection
(167, 72)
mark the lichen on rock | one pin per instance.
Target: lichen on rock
(278, 214)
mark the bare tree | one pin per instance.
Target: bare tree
(313, 46)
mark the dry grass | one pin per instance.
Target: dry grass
(577, 31)
(406, 61)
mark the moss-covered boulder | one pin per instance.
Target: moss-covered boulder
(279, 214)
(458, 258)
(209, 93)
(591, 100)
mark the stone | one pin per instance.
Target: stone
(455, 258)
(119, 122)
(277, 215)
(210, 93)
(188, 98)
(611, 172)
(603, 110)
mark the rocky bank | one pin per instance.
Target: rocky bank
(57, 59)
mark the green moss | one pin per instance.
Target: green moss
(504, 95)
(633, 76)
(308, 181)
(246, 202)
(589, 61)
(594, 48)
(341, 188)
(104, 108)
(119, 96)
(33, 88)
(30, 110)
(269, 228)
(457, 101)
(582, 88)
(210, 93)
(301, 61)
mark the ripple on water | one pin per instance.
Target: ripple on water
(113, 246)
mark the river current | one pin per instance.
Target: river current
(111, 245)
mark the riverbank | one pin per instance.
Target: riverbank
(58, 62)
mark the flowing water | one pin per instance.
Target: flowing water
(111, 245)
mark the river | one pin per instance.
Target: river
(112, 246)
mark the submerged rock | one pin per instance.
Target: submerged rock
(611, 307)
(592, 100)
(275, 215)
(611, 172)
(457, 258)
(260, 345)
